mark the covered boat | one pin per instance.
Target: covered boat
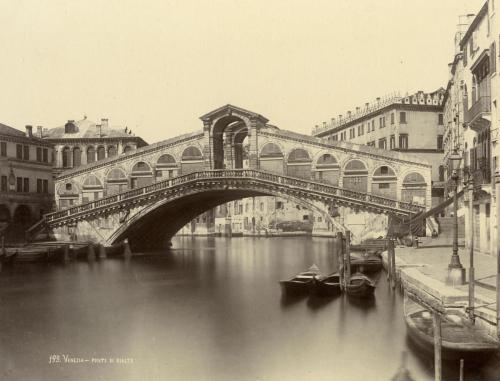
(460, 338)
(302, 283)
(360, 286)
(327, 286)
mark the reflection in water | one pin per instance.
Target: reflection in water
(209, 309)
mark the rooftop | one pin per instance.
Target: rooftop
(87, 129)
(419, 98)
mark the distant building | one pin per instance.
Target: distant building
(413, 123)
(26, 182)
(82, 142)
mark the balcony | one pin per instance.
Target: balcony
(478, 117)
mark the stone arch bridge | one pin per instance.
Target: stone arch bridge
(147, 195)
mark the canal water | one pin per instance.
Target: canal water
(210, 309)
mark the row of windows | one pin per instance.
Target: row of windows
(23, 152)
(23, 185)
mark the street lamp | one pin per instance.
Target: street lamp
(456, 272)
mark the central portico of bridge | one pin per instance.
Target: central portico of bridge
(147, 195)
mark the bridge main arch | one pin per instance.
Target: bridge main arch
(145, 233)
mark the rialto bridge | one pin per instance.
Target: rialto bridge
(147, 195)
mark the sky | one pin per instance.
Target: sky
(157, 66)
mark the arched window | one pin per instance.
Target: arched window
(384, 182)
(141, 175)
(414, 188)
(271, 158)
(116, 181)
(298, 155)
(66, 157)
(191, 153)
(101, 153)
(91, 154)
(112, 151)
(127, 149)
(299, 164)
(271, 150)
(191, 160)
(327, 169)
(77, 157)
(92, 189)
(166, 167)
(355, 176)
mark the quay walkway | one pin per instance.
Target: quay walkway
(426, 269)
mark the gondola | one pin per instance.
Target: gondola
(327, 286)
(360, 286)
(302, 283)
(460, 338)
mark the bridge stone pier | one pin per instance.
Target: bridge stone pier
(147, 195)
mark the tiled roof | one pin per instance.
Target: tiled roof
(10, 131)
(87, 129)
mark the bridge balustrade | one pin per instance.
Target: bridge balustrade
(239, 173)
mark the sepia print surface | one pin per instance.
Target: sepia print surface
(249, 190)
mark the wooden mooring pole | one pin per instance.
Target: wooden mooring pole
(471, 251)
(65, 258)
(497, 196)
(436, 321)
(461, 369)
(347, 256)
(391, 259)
(339, 248)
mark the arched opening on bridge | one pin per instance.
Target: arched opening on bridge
(271, 158)
(327, 169)
(141, 175)
(355, 176)
(228, 133)
(77, 157)
(384, 182)
(101, 153)
(112, 151)
(92, 189)
(240, 149)
(116, 181)
(90, 154)
(299, 163)
(68, 194)
(414, 189)
(191, 160)
(166, 167)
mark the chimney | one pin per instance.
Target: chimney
(29, 131)
(324, 124)
(39, 131)
(99, 130)
(378, 99)
(104, 122)
(348, 114)
(367, 104)
(333, 120)
(357, 109)
(340, 117)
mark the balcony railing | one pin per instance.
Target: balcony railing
(480, 108)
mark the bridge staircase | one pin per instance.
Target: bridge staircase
(257, 181)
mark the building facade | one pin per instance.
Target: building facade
(472, 120)
(413, 124)
(26, 181)
(83, 142)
